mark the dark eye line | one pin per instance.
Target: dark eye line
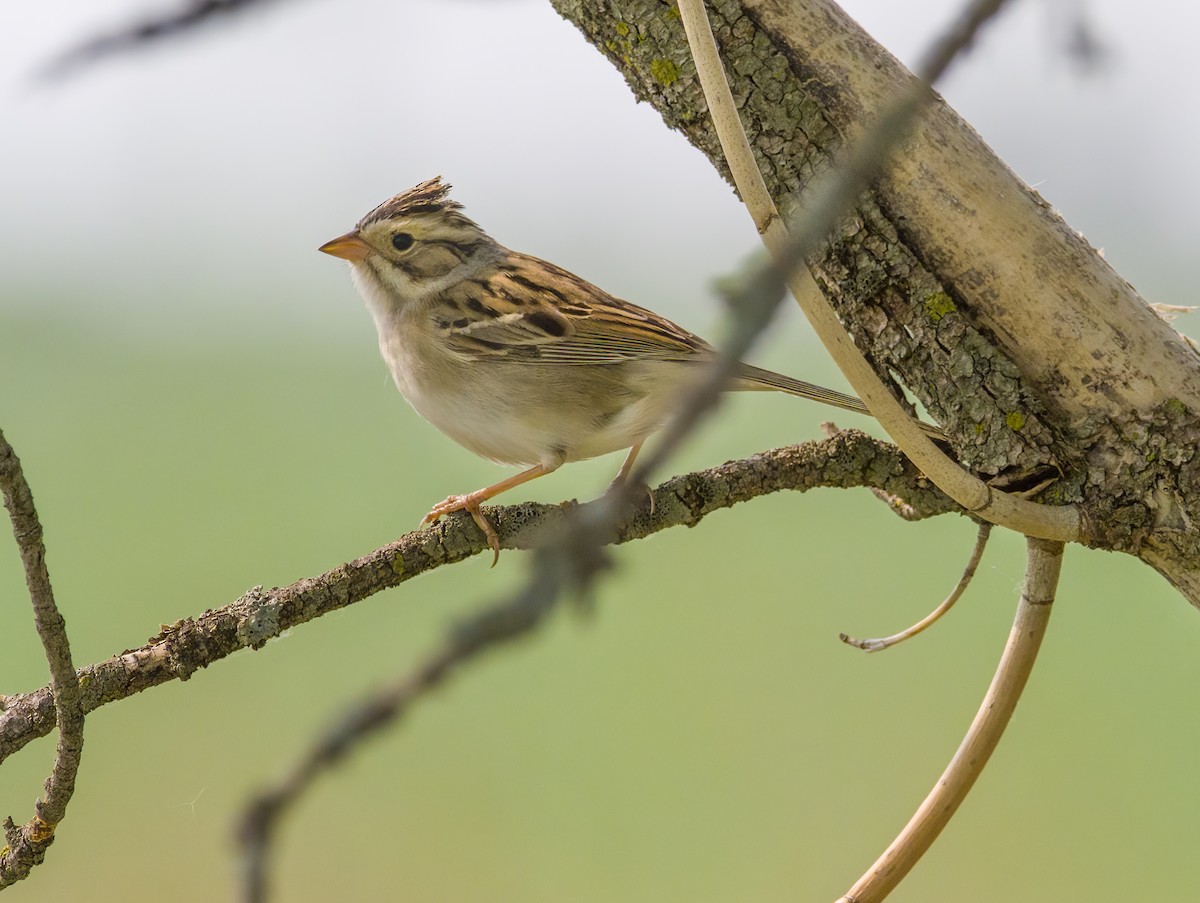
(402, 241)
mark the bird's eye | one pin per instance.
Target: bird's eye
(402, 241)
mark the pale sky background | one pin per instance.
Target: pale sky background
(187, 186)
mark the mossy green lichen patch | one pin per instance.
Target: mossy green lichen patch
(938, 305)
(664, 72)
(1015, 420)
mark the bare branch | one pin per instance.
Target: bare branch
(179, 650)
(495, 625)
(144, 33)
(877, 645)
(1043, 564)
(26, 846)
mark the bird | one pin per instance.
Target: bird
(519, 360)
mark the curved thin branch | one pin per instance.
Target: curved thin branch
(788, 252)
(493, 626)
(1043, 564)
(27, 845)
(881, 643)
(178, 651)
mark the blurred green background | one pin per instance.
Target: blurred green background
(200, 408)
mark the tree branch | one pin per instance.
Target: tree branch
(951, 273)
(26, 846)
(179, 650)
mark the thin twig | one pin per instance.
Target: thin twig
(1043, 564)
(881, 643)
(827, 203)
(26, 845)
(1170, 311)
(179, 650)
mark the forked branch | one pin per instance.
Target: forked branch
(26, 845)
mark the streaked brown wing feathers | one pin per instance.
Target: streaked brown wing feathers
(530, 310)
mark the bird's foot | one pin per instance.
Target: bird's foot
(469, 503)
(634, 489)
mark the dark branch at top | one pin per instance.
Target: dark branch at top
(148, 31)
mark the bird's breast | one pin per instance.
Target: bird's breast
(526, 413)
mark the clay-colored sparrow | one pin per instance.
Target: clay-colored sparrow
(515, 358)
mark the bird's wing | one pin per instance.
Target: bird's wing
(530, 310)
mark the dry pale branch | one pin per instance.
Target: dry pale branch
(1043, 564)
(881, 643)
(828, 203)
(26, 845)
(822, 209)
(179, 650)
(756, 299)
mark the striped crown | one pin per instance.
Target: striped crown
(431, 196)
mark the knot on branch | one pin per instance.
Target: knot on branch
(262, 622)
(186, 646)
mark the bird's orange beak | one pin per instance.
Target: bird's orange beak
(348, 247)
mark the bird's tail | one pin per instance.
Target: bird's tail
(756, 379)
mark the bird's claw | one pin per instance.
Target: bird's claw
(469, 503)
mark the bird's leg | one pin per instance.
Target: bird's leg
(626, 467)
(472, 500)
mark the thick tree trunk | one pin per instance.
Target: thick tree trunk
(951, 273)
